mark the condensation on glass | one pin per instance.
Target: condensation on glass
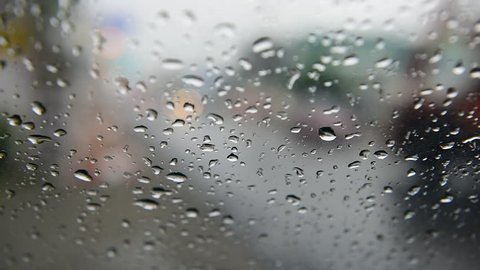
(239, 134)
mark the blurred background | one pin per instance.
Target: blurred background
(239, 134)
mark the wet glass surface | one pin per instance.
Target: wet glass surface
(239, 134)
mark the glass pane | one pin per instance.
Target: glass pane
(239, 134)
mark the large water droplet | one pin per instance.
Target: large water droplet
(232, 157)
(38, 108)
(38, 139)
(83, 175)
(350, 60)
(327, 134)
(172, 64)
(380, 154)
(193, 80)
(262, 44)
(146, 204)
(217, 119)
(176, 177)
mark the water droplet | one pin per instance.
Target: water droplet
(191, 212)
(412, 157)
(214, 213)
(176, 177)
(38, 139)
(83, 175)
(334, 109)
(294, 75)
(111, 253)
(14, 120)
(459, 69)
(475, 73)
(226, 30)
(146, 204)
(408, 214)
(207, 147)
(178, 123)
(294, 200)
(295, 130)
(122, 84)
(380, 154)
(350, 60)
(140, 129)
(446, 146)
(232, 157)
(262, 44)
(471, 139)
(170, 105)
(364, 154)
(172, 64)
(59, 132)
(38, 108)
(327, 134)
(217, 119)
(245, 64)
(48, 187)
(354, 165)
(383, 63)
(251, 110)
(93, 207)
(413, 190)
(446, 199)
(193, 80)
(151, 114)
